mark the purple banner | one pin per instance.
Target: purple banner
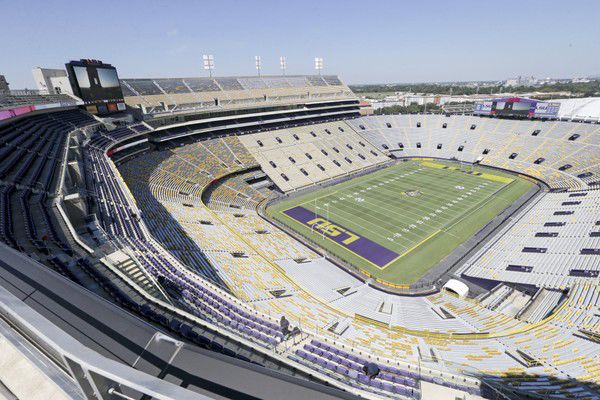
(357, 244)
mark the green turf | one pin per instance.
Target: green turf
(422, 228)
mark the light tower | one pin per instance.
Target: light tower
(258, 63)
(209, 63)
(319, 64)
(283, 64)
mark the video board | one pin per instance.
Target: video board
(514, 106)
(517, 107)
(97, 84)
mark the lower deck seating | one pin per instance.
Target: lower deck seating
(563, 225)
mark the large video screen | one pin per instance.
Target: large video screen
(521, 106)
(514, 108)
(97, 84)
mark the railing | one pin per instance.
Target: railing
(25, 92)
(97, 376)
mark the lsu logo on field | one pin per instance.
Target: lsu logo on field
(367, 249)
(332, 230)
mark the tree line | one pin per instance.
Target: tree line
(580, 89)
(410, 109)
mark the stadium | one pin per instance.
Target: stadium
(269, 237)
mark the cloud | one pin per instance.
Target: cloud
(173, 32)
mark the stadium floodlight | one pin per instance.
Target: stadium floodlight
(258, 63)
(319, 64)
(209, 63)
(283, 64)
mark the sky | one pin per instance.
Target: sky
(361, 41)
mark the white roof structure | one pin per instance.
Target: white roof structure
(586, 109)
(457, 287)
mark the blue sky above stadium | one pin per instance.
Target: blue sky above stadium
(363, 42)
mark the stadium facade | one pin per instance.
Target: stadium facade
(139, 258)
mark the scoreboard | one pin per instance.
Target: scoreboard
(517, 107)
(514, 107)
(97, 84)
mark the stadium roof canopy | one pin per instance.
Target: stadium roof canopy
(579, 109)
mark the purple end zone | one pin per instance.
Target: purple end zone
(357, 244)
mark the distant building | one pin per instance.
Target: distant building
(3, 84)
(51, 81)
(522, 81)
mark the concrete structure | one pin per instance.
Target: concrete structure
(457, 287)
(51, 81)
(3, 84)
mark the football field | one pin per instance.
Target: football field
(397, 223)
